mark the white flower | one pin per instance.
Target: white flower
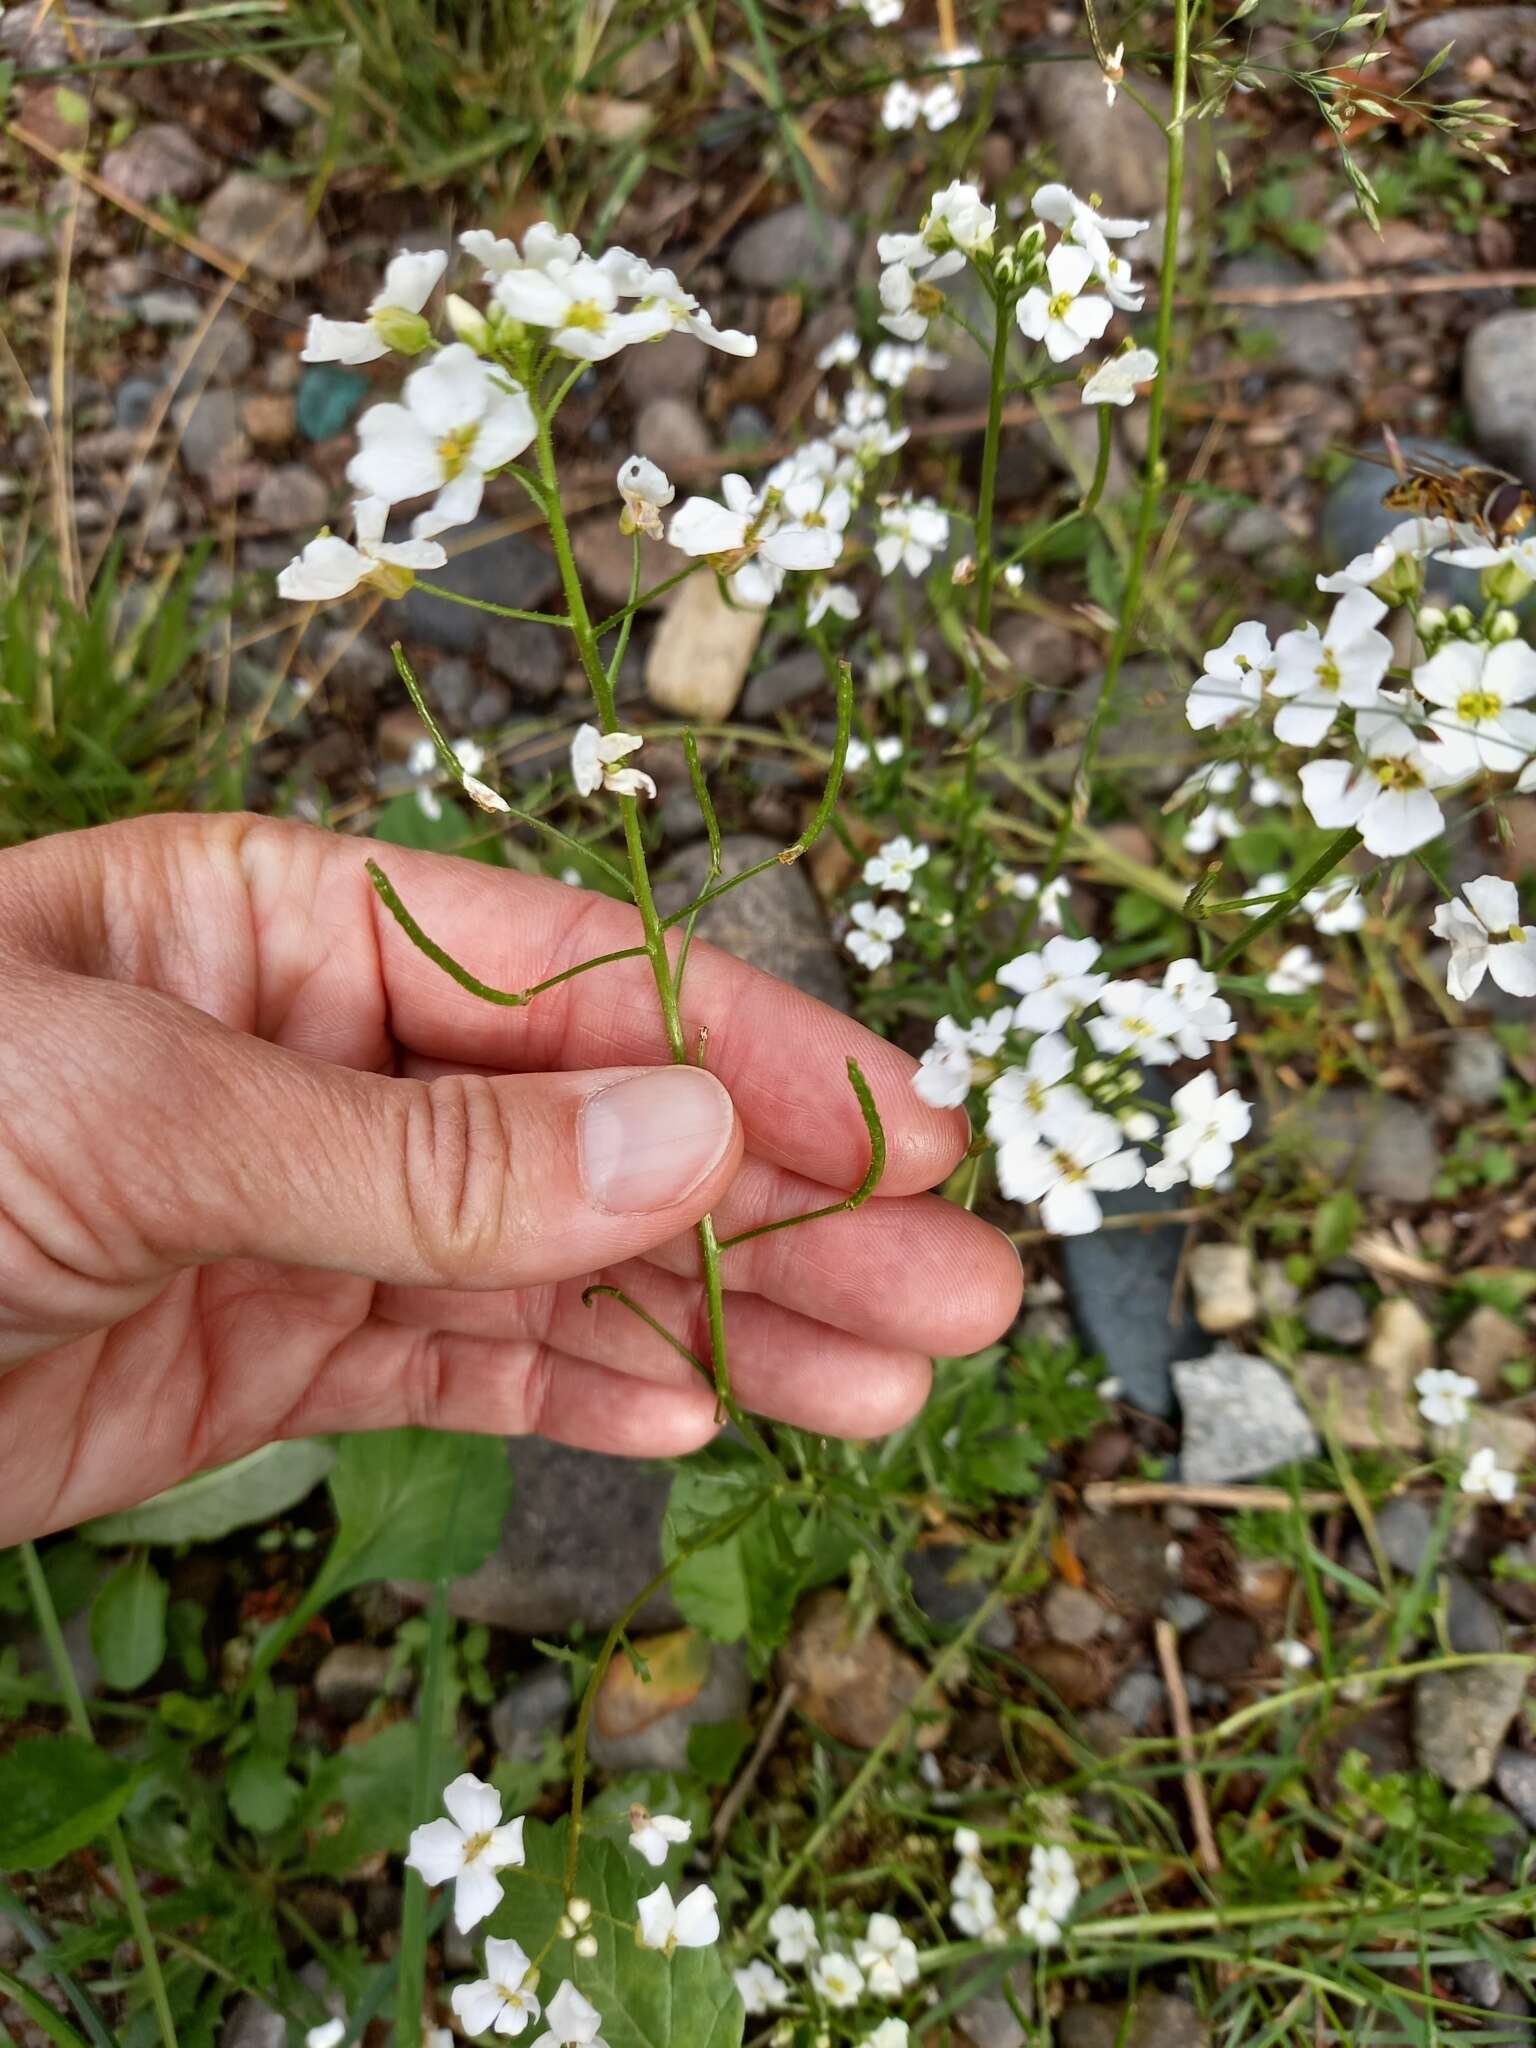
(1388, 799)
(644, 489)
(747, 525)
(896, 864)
(572, 2020)
(973, 1910)
(459, 421)
(1294, 1655)
(1445, 1398)
(1115, 382)
(838, 598)
(885, 750)
(595, 758)
(1053, 1880)
(407, 286)
(1480, 690)
(793, 1932)
(1026, 888)
(1138, 1018)
(1114, 73)
(959, 218)
(891, 2033)
(1234, 678)
(1263, 893)
(469, 1847)
(911, 532)
(1518, 554)
(1294, 972)
(1036, 1924)
(1487, 938)
(901, 106)
(1413, 539)
(330, 2032)
(877, 927)
(1209, 826)
(893, 363)
(1080, 223)
(944, 1073)
(1485, 1478)
(905, 307)
(497, 2002)
(843, 349)
(655, 1835)
(941, 105)
(1066, 317)
(498, 255)
(838, 1979)
(1205, 1016)
(1320, 673)
(694, 1922)
(967, 1845)
(330, 567)
(887, 1957)
(578, 302)
(1077, 1156)
(1198, 1145)
(1267, 792)
(1055, 983)
(761, 1988)
(430, 804)
(1017, 1099)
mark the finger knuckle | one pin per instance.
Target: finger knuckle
(457, 1168)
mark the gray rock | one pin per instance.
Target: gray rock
(1125, 1556)
(1405, 1529)
(663, 1746)
(159, 162)
(1354, 517)
(949, 1591)
(168, 306)
(1504, 35)
(773, 922)
(509, 570)
(1259, 530)
(529, 655)
(581, 1538)
(987, 2018)
(673, 367)
(1499, 390)
(1515, 1776)
(1157, 2020)
(20, 246)
(1476, 1068)
(134, 400)
(1472, 1622)
(1241, 1419)
(784, 682)
(1460, 1718)
(1073, 1615)
(793, 246)
(1484, 1345)
(253, 2024)
(212, 438)
(1319, 342)
(1479, 1982)
(537, 1706)
(43, 36)
(1186, 1611)
(670, 431)
(224, 354)
(1337, 1314)
(1377, 1144)
(1069, 112)
(292, 497)
(264, 224)
(353, 1675)
(1120, 1285)
(747, 426)
(1137, 1698)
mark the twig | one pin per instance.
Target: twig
(1324, 289)
(1102, 1494)
(1206, 1854)
(1382, 1256)
(1142, 1219)
(736, 1798)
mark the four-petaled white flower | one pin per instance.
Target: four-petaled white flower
(1389, 799)
(694, 1922)
(1036, 1924)
(901, 106)
(572, 2020)
(906, 304)
(1479, 691)
(1053, 1879)
(469, 1847)
(331, 567)
(761, 1988)
(877, 927)
(393, 318)
(793, 1933)
(1115, 382)
(841, 600)
(896, 864)
(595, 758)
(1484, 1478)
(1017, 1099)
(1234, 678)
(1486, 937)
(1294, 972)
(1080, 223)
(1516, 554)
(645, 489)
(944, 1073)
(1204, 1016)
(1055, 983)
(499, 256)
(1077, 1156)
(1198, 1145)
(838, 1980)
(747, 525)
(1445, 1397)
(459, 421)
(655, 1835)
(887, 1956)
(1334, 907)
(1137, 1017)
(911, 532)
(579, 304)
(891, 2033)
(500, 2001)
(1318, 674)
(1411, 540)
(1067, 316)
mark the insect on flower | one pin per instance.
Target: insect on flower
(1475, 494)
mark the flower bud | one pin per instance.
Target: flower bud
(407, 333)
(469, 324)
(580, 1911)
(586, 1948)
(1005, 266)
(1459, 620)
(1432, 622)
(1140, 1126)
(1503, 626)
(1505, 583)
(1401, 582)
(964, 570)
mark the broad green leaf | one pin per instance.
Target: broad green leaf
(1334, 1225)
(359, 1802)
(262, 1796)
(647, 2000)
(211, 1504)
(403, 822)
(716, 1748)
(128, 1625)
(415, 1504)
(52, 2024)
(57, 1792)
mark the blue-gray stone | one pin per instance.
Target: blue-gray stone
(507, 570)
(328, 398)
(1120, 1285)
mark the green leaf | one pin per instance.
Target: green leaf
(57, 1792)
(212, 1504)
(1335, 1224)
(716, 1748)
(262, 1796)
(415, 1504)
(53, 2025)
(358, 1802)
(128, 1625)
(403, 822)
(647, 2000)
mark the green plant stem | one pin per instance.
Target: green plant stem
(1153, 475)
(1337, 849)
(986, 565)
(80, 1720)
(860, 1194)
(410, 1984)
(499, 611)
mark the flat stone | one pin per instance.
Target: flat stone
(773, 922)
(252, 2023)
(1369, 1409)
(509, 570)
(702, 650)
(1072, 1614)
(789, 680)
(791, 247)
(855, 1685)
(662, 1744)
(1088, 139)
(1120, 1285)
(224, 354)
(1137, 1698)
(670, 432)
(1304, 339)
(1460, 1719)
(353, 1675)
(1157, 2020)
(212, 438)
(159, 162)
(1475, 1068)
(989, 2020)
(1515, 1776)
(1241, 1419)
(1337, 1314)
(531, 656)
(1405, 1528)
(673, 367)
(1125, 1556)
(1377, 1144)
(1222, 1278)
(536, 1706)
(20, 246)
(1484, 1344)
(1472, 1623)
(947, 1587)
(1499, 391)
(134, 400)
(293, 498)
(1354, 518)
(265, 225)
(1505, 35)
(43, 36)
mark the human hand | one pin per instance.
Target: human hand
(267, 1172)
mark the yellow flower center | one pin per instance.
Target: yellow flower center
(454, 450)
(1395, 773)
(1477, 705)
(475, 1845)
(1059, 306)
(1070, 1170)
(1328, 673)
(587, 313)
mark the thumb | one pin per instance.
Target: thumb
(195, 1143)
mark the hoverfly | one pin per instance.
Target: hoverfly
(1497, 504)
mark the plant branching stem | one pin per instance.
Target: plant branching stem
(1337, 849)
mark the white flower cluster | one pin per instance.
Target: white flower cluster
(1062, 1084)
(883, 1965)
(1048, 1903)
(1446, 1401)
(937, 105)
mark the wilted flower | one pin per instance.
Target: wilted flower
(330, 567)
(654, 1835)
(1115, 382)
(595, 758)
(1486, 937)
(645, 489)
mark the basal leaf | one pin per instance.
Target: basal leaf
(415, 1504)
(211, 1504)
(57, 1792)
(128, 1625)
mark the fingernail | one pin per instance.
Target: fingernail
(649, 1141)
